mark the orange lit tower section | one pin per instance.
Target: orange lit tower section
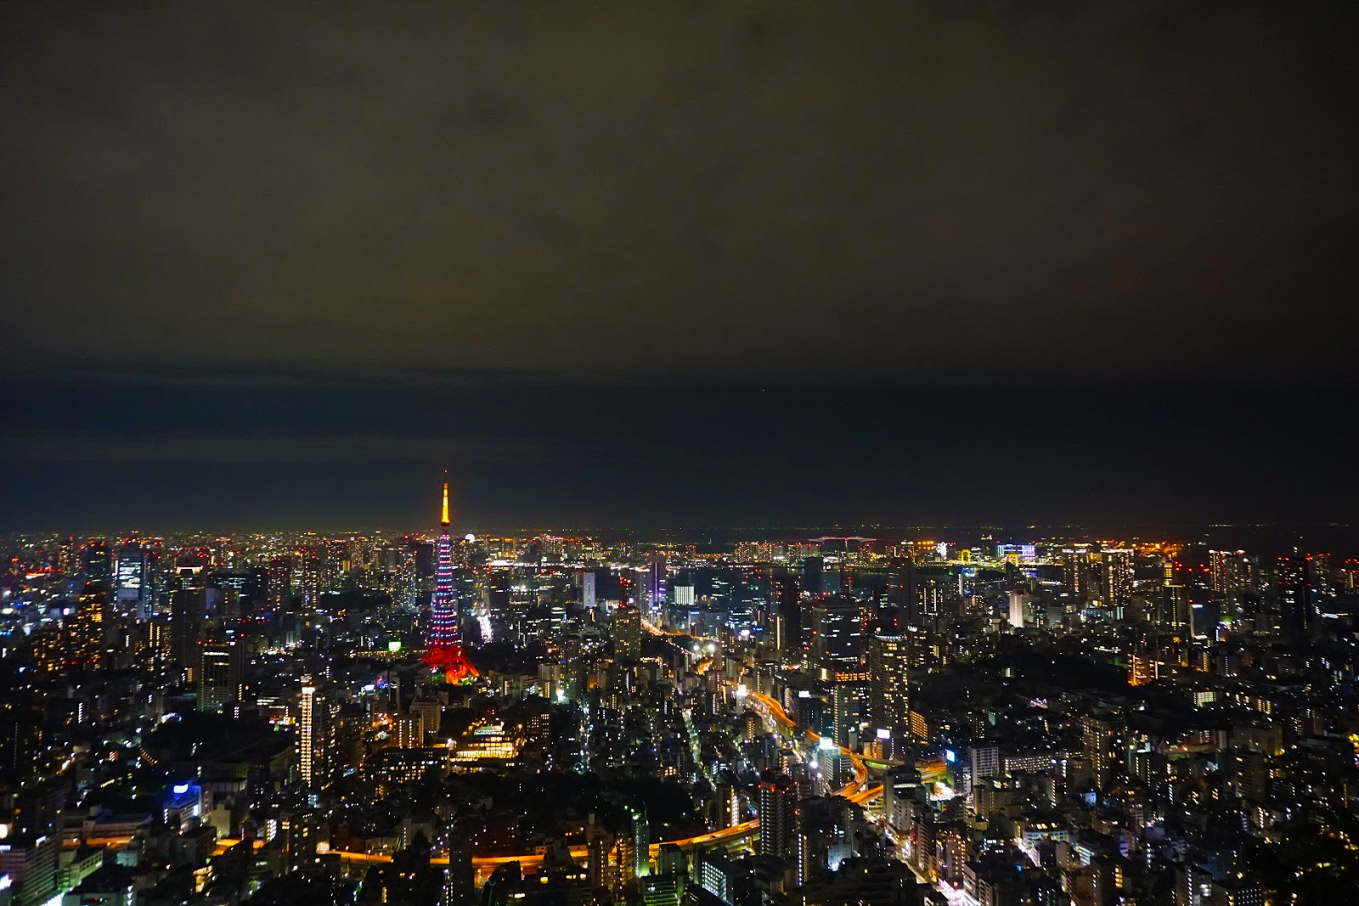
(444, 652)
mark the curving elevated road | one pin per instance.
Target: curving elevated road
(858, 791)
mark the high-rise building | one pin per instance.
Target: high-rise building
(221, 672)
(97, 561)
(902, 600)
(279, 582)
(1293, 591)
(588, 599)
(1097, 738)
(89, 626)
(779, 823)
(787, 611)
(889, 691)
(309, 719)
(837, 638)
(407, 731)
(812, 568)
(188, 614)
(1175, 612)
(983, 763)
(1117, 576)
(444, 652)
(1076, 571)
(460, 879)
(1230, 572)
(1018, 601)
(132, 587)
(627, 633)
(848, 709)
(656, 583)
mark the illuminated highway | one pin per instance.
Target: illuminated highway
(857, 790)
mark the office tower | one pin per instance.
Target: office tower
(889, 690)
(132, 586)
(1076, 571)
(89, 625)
(901, 592)
(787, 611)
(1293, 593)
(188, 614)
(97, 561)
(837, 638)
(627, 633)
(684, 594)
(587, 590)
(812, 568)
(499, 595)
(1018, 600)
(779, 819)
(1117, 583)
(221, 672)
(656, 584)
(444, 652)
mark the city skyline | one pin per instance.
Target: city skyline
(771, 453)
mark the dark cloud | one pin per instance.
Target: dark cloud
(676, 261)
(900, 189)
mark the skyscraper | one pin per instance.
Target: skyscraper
(627, 632)
(656, 583)
(306, 732)
(837, 638)
(1293, 589)
(98, 561)
(88, 626)
(1230, 572)
(901, 593)
(783, 602)
(1118, 576)
(1076, 570)
(132, 585)
(220, 673)
(889, 696)
(188, 613)
(444, 652)
(779, 819)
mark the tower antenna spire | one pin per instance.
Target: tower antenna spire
(443, 520)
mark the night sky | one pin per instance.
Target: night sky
(698, 263)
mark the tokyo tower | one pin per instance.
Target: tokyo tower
(444, 652)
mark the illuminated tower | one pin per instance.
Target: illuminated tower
(306, 727)
(444, 652)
